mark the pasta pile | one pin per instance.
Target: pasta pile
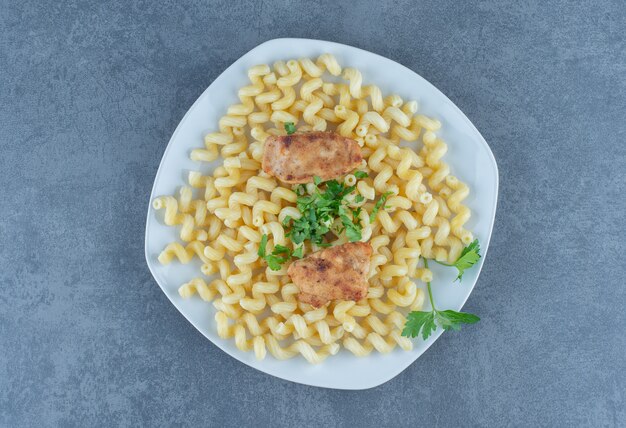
(239, 203)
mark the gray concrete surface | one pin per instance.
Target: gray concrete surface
(90, 93)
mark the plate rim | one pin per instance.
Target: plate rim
(484, 248)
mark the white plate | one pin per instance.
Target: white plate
(469, 156)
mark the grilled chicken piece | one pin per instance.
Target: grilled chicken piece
(298, 157)
(335, 273)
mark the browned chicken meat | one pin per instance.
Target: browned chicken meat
(335, 273)
(298, 157)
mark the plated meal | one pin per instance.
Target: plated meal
(316, 231)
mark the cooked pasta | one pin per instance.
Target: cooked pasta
(222, 216)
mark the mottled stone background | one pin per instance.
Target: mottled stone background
(90, 93)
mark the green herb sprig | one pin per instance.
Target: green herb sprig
(426, 322)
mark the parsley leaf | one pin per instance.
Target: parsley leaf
(426, 323)
(262, 246)
(353, 233)
(468, 258)
(290, 127)
(419, 320)
(298, 252)
(452, 320)
(379, 203)
(275, 263)
(361, 174)
(280, 249)
(280, 254)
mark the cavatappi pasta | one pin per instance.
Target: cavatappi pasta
(222, 216)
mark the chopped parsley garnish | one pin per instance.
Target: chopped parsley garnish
(319, 211)
(280, 254)
(361, 174)
(298, 252)
(290, 127)
(379, 203)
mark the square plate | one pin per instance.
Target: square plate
(469, 157)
